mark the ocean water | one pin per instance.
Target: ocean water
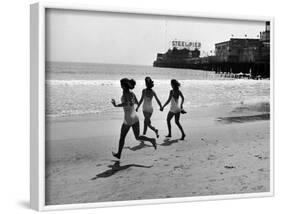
(87, 88)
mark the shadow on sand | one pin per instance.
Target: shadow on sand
(169, 142)
(116, 168)
(138, 147)
(243, 119)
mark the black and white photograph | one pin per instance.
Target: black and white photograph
(141, 106)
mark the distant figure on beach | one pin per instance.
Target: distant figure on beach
(175, 109)
(147, 95)
(128, 100)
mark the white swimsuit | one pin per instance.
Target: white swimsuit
(130, 115)
(175, 108)
(147, 104)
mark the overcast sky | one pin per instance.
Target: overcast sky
(84, 36)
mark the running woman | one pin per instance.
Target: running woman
(147, 95)
(128, 100)
(175, 109)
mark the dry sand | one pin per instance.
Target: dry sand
(224, 155)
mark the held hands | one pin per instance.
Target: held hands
(113, 102)
(161, 108)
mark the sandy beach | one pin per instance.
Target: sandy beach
(222, 154)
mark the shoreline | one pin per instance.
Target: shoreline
(202, 112)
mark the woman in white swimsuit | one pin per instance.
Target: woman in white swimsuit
(146, 98)
(128, 100)
(175, 109)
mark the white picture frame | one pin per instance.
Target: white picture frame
(37, 106)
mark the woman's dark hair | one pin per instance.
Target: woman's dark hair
(128, 84)
(175, 84)
(149, 83)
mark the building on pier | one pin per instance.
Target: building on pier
(237, 55)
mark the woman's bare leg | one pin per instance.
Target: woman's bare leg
(136, 129)
(124, 130)
(147, 122)
(177, 121)
(169, 117)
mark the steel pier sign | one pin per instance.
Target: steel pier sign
(186, 44)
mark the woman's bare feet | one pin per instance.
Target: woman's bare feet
(153, 141)
(116, 155)
(156, 132)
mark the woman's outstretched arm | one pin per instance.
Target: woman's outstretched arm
(142, 95)
(135, 99)
(158, 101)
(182, 99)
(117, 105)
(167, 102)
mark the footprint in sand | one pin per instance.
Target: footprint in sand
(212, 157)
(257, 188)
(229, 167)
(177, 171)
(260, 157)
(179, 167)
(182, 167)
